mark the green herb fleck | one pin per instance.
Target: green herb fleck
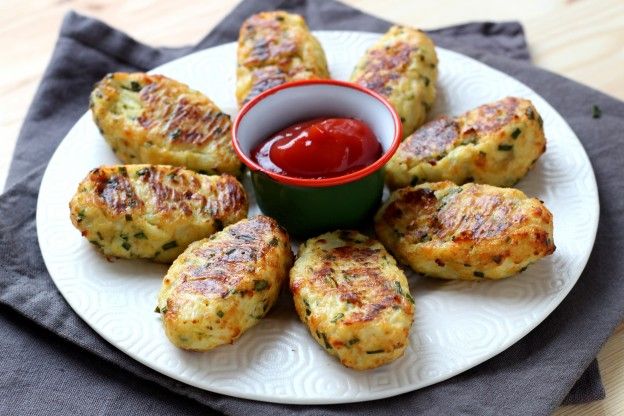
(170, 245)
(596, 111)
(409, 297)
(126, 245)
(81, 215)
(140, 235)
(471, 140)
(274, 242)
(398, 287)
(530, 113)
(95, 243)
(135, 86)
(515, 133)
(175, 134)
(142, 171)
(505, 147)
(337, 317)
(123, 171)
(220, 314)
(157, 309)
(230, 251)
(331, 280)
(523, 269)
(374, 352)
(427, 81)
(128, 217)
(326, 341)
(478, 274)
(353, 341)
(124, 236)
(260, 285)
(99, 234)
(402, 119)
(415, 180)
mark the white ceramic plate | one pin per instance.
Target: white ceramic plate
(458, 324)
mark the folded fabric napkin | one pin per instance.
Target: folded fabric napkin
(53, 363)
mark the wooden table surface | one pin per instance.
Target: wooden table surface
(582, 39)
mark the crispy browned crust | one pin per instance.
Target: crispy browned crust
(268, 47)
(221, 286)
(154, 119)
(153, 211)
(186, 122)
(172, 190)
(402, 67)
(226, 261)
(360, 283)
(266, 78)
(473, 231)
(496, 144)
(273, 48)
(353, 298)
(385, 65)
(433, 139)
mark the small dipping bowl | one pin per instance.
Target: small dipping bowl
(309, 206)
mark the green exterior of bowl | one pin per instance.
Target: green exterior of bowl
(309, 211)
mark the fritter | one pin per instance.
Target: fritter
(274, 48)
(469, 232)
(354, 299)
(157, 120)
(223, 285)
(153, 211)
(494, 144)
(402, 66)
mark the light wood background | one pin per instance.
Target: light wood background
(582, 39)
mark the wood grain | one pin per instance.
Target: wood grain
(580, 39)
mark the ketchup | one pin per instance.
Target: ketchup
(319, 148)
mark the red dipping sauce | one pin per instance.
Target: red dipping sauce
(319, 148)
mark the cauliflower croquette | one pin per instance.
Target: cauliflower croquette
(494, 144)
(154, 119)
(223, 285)
(469, 232)
(354, 299)
(275, 48)
(402, 66)
(153, 212)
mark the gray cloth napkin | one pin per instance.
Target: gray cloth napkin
(51, 362)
